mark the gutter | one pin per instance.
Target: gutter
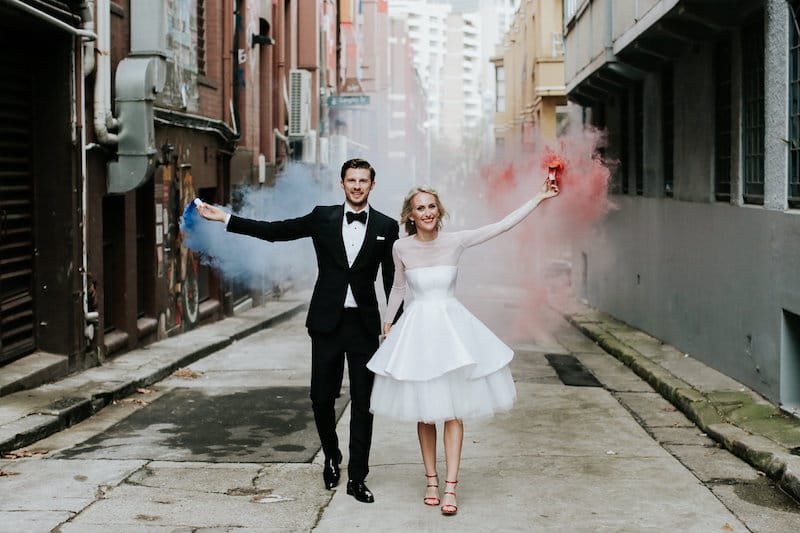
(168, 117)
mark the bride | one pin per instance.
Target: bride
(439, 363)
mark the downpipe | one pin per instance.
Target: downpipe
(103, 118)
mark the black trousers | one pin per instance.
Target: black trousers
(352, 340)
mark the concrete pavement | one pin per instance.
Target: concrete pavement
(33, 414)
(615, 457)
(735, 416)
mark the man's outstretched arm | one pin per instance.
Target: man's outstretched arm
(281, 230)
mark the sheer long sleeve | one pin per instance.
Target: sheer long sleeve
(475, 236)
(398, 292)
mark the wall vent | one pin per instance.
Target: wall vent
(299, 102)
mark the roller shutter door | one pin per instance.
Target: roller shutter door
(16, 209)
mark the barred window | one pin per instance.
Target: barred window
(794, 109)
(638, 118)
(668, 127)
(722, 120)
(201, 37)
(624, 168)
(753, 110)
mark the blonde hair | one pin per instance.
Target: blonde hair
(408, 206)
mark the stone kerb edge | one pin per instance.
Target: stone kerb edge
(767, 457)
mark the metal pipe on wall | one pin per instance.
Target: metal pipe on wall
(280, 78)
(103, 118)
(87, 15)
(90, 317)
(89, 35)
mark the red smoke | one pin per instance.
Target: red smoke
(541, 248)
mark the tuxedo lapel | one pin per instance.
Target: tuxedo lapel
(334, 235)
(369, 239)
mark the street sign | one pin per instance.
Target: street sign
(348, 100)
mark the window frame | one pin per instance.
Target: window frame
(753, 111)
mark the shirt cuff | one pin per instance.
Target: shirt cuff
(227, 219)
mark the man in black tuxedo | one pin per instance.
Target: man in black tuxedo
(350, 241)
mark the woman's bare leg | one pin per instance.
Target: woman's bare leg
(453, 441)
(427, 445)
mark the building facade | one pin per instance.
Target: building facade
(427, 31)
(138, 107)
(700, 102)
(529, 73)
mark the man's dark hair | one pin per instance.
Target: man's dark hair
(358, 163)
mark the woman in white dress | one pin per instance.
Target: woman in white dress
(439, 363)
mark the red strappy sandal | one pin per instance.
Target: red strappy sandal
(449, 509)
(431, 500)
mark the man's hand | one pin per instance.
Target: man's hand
(387, 326)
(211, 212)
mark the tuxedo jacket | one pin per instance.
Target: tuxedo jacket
(324, 226)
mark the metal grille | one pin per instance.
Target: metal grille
(794, 110)
(668, 127)
(638, 117)
(753, 110)
(201, 37)
(16, 210)
(624, 138)
(722, 120)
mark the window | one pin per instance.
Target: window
(500, 89)
(570, 8)
(201, 37)
(557, 44)
(638, 117)
(753, 110)
(722, 120)
(794, 110)
(624, 139)
(668, 127)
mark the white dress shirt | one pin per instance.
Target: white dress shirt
(353, 237)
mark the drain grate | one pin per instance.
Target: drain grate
(571, 372)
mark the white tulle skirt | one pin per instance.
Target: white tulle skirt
(439, 362)
(453, 395)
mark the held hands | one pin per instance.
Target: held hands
(386, 328)
(211, 212)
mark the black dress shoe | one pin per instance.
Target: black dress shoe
(330, 472)
(359, 491)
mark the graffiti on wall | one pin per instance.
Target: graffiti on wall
(180, 266)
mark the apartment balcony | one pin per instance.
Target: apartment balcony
(611, 43)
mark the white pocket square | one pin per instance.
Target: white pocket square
(380, 238)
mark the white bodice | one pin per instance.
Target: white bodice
(434, 264)
(432, 283)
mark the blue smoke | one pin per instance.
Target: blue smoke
(253, 262)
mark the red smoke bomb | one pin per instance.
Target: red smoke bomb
(554, 167)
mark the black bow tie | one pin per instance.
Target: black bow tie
(361, 216)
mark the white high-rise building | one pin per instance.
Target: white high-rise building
(427, 25)
(462, 109)
(452, 42)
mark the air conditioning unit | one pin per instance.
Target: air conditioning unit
(310, 147)
(299, 102)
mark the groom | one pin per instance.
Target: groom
(350, 242)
